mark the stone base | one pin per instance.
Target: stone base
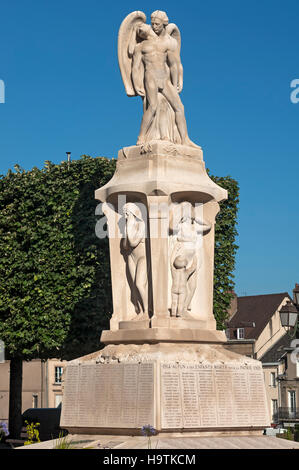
(173, 323)
(213, 441)
(258, 431)
(186, 388)
(162, 335)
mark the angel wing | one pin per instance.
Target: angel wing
(127, 39)
(174, 32)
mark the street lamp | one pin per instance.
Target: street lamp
(289, 313)
(68, 156)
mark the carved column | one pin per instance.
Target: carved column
(158, 234)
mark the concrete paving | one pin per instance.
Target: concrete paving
(138, 442)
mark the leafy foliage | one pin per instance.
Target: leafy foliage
(55, 290)
(32, 433)
(55, 294)
(225, 249)
(63, 442)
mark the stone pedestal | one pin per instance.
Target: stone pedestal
(164, 362)
(182, 388)
(160, 178)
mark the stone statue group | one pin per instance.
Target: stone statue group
(184, 258)
(150, 65)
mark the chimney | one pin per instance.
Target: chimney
(232, 310)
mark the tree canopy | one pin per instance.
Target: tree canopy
(55, 292)
(225, 249)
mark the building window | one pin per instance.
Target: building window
(58, 400)
(273, 379)
(297, 368)
(274, 405)
(227, 332)
(292, 400)
(240, 333)
(58, 374)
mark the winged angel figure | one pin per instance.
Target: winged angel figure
(150, 65)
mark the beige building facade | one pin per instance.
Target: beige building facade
(286, 370)
(254, 329)
(271, 372)
(255, 321)
(42, 386)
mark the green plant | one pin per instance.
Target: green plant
(286, 435)
(62, 442)
(32, 433)
(296, 433)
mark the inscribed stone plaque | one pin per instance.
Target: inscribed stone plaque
(240, 387)
(212, 396)
(101, 379)
(109, 395)
(129, 394)
(146, 395)
(172, 413)
(224, 396)
(70, 396)
(86, 395)
(190, 405)
(113, 400)
(206, 395)
(256, 393)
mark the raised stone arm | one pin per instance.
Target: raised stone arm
(134, 231)
(202, 225)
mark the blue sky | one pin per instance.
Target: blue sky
(64, 92)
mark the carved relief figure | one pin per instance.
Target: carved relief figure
(135, 254)
(185, 258)
(180, 275)
(150, 64)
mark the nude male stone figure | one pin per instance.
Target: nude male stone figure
(155, 71)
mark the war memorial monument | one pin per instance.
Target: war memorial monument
(164, 362)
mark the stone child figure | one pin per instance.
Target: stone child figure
(189, 228)
(180, 275)
(134, 246)
(150, 64)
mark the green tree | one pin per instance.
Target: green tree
(55, 295)
(225, 249)
(55, 291)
